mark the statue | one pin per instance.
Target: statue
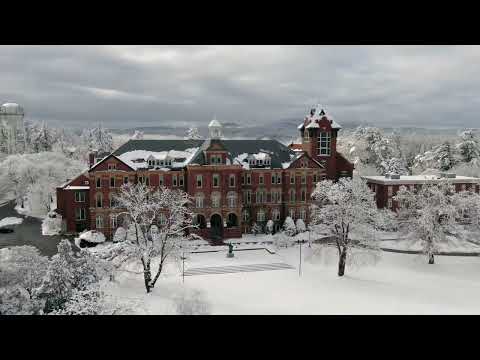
(230, 250)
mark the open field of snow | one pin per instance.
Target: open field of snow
(397, 284)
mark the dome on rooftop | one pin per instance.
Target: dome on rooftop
(214, 123)
(11, 109)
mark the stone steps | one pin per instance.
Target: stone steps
(237, 269)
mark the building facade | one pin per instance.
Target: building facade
(386, 187)
(234, 184)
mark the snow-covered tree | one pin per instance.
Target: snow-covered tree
(66, 272)
(138, 135)
(98, 138)
(469, 146)
(394, 166)
(120, 235)
(289, 227)
(160, 219)
(15, 300)
(343, 207)
(467, 204)
(300, 225)
(42, 138)
(430, 214)
(269, 227)
(192, 134)
(23, 266)
(441, 157)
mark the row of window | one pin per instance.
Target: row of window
(275, 197)
(215, 200)
(261, 214)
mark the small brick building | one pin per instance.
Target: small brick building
(386, 187)
(233, 183)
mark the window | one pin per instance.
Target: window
(306, 135)
(125, 180)
(99, 183)
(276, 214)
(390, 190)
(79, 196)
(304, 195)
(247, 197)
(304, 179)
(112, 166)
(215, 200)
(216, 180)
(180, 180)
(162, 219)
(231, 198)
(260, 197)
(292, 178)
(291, 213)
(232, 180)
(112, 182)
(279, 179)
(141, 180)
(113, 221)
(160, 180)
(99, 200)
(292, 195)
(303, 214)
(260, 180)
(174, 180)
(199, 201)
(243, 179)
(113, 202)
(245, 215)
(273, 178)
(249, 179)
(324, 144)
(260, 215)
(199, 181)
(80, 214)
(99, 222)
(314, 178)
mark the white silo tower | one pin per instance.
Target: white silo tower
(11, 117)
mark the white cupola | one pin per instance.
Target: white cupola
(215, 129)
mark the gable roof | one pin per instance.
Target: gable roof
(107, 157)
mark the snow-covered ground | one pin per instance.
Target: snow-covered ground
(397, 284)
(10, 221)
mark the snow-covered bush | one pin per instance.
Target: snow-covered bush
(120, 235)
(192, 134)
(300, 225)
(191, 302)
(52, 225)
(386, 220)
(269, 227)
(257, 229)
(280, 240)
(15, 300)
(289, 227)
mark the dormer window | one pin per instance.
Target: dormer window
(112, 166)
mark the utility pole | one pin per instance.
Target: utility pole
(300, 264)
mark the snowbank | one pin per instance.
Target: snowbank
(51, 226)
(92, 236)
(10, 221)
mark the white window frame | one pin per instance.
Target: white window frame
(82, 212)
(199, 180)
(216, 176)
(78, 197)
(324, 143)
(99, 222)
(199, 201)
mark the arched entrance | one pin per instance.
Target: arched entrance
(216, 227)
(232, 220)
(200, 221)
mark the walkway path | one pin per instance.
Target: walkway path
(236, 269)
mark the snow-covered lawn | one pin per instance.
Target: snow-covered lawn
(10, 221)
(398, 284)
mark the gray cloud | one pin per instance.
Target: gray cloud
(128, 86)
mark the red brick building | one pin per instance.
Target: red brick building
(233, 183)
(386, 187)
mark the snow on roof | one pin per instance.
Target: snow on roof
(69, 187)
(137, 159)
(214, 123)
(416, 179)
(318, 114)
(243, 158)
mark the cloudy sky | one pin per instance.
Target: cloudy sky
(128, 86)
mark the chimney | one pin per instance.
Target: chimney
(91, 158)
